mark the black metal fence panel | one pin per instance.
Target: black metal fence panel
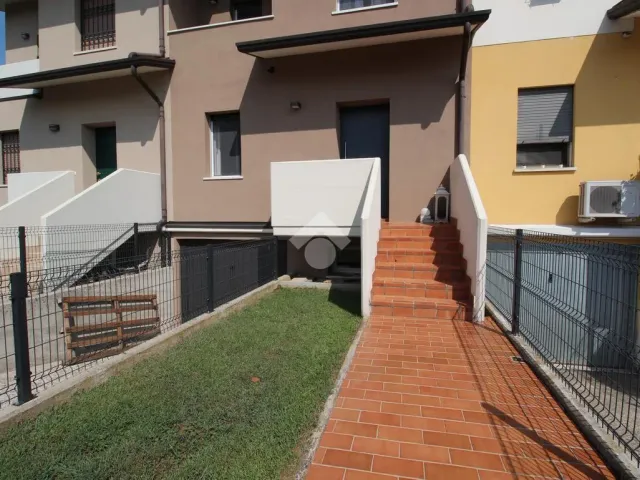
(575, 301)
(115, 304)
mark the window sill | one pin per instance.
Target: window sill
(4, 186)
(221, 24)
(228, 177)
(544, 169)
(95, 50)
(364, 9)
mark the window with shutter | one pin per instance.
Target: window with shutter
(545, 127)
(10, 144)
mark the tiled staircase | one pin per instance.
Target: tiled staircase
(420, 272)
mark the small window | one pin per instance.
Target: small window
(245, 9)
(545, 127)
(351, 4)
(97, 24)
(10, 144)
(225, 145)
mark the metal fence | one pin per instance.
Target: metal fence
(575, 302)
(51, 332)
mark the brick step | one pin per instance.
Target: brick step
(434, 289)
(422, 271)
(398, 306)
(425, 243)
(416, 255)
(394, 230)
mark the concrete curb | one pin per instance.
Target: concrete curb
(64, 391)
(314, 441)
(613, 454)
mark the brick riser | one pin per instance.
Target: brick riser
(421, 273)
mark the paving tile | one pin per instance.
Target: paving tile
(376, 446)
(322, 472)
(341, 458)
(430, 396)
(398, 466)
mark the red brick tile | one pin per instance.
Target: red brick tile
(425, 453)
(398, 466)
(376, 446)
(357, 404)
(383, 396)
(400, 434)
(380, 418)
(446, 440)
(433, 424)
(340, 458)
(487, 445)
(436, 471)
(319, 455)
(401, 388)
(443, 413)
(322, 472)
(351, 393)
(343, 414)
(486, 461)
(366, 385)
(336, 440)
(420, 400)
(490, 475)
(401, 408)
(356, 475)
(352, 428)
(473, 429)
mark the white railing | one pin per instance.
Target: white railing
(371, 224)
(319, 198)
(125, 197)
(467, 209)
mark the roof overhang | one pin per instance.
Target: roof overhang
(88, 72)
(376, 34)
(624, 9)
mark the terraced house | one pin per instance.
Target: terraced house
(84, 99)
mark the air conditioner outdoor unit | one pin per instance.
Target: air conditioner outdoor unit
(609, 199)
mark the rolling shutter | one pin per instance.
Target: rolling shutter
(545, 115)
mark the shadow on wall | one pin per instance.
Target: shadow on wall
(91, 104)
(418, 81)
(609, 80)
(606, 95)
(66, 16)
(323, 81)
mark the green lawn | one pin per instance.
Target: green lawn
(234, 401)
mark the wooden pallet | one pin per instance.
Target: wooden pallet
(95, 327)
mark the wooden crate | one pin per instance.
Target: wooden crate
(100, 326)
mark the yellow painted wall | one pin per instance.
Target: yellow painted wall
(605, 72)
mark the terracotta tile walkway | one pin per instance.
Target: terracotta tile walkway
(442, 399)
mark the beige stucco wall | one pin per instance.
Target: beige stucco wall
(21, 18)
(418, 79)
(291, 17)
(79, 106)
(136, 31)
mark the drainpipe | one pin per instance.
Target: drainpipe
(163, 144)
(161, 120)
(462, 113)
(161, 44)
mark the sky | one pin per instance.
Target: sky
(2, 47)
